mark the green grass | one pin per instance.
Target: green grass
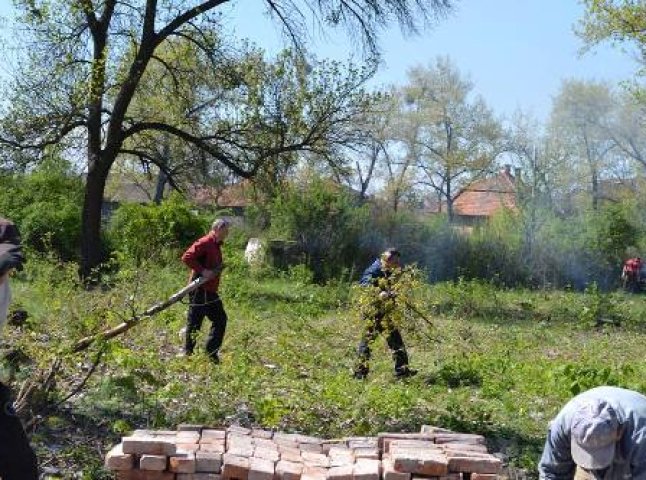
(505, 363)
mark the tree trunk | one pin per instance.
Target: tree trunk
(449, 200)
(595, 190)
(91, 246)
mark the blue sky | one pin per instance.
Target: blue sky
(515, 51)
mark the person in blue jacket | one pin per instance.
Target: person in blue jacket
(376, 276)
(599, 434)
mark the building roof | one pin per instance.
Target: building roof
(483, 198)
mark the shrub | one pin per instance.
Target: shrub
(46, 206)
(138, 232)
(324, 220)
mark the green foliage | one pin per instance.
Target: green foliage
(615, 233)
(598, 308)
(289, 350)
(139, 232)
(578, 378)
(459, 372)
(46, 206)
(323, 219)
(617, 22)
(396, 298)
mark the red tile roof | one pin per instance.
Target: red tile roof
(485, 197)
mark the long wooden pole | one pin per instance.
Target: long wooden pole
(131, 322)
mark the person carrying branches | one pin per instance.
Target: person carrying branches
(17, 459)
(204, 257)
(375, 318)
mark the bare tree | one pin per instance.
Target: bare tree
(582, 116)
(457, 140)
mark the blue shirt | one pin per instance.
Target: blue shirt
(372, 273)
(630, 458)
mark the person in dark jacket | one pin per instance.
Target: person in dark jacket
(377, 322)
(204, 258)
(598, 434)
(17, 459)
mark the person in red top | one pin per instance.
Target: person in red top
(204, 258)
(631, 273)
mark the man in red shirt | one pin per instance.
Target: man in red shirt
(204, 258)
(631, 274)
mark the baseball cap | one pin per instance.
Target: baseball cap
(594, 434)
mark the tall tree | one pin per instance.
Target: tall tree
(622, 22)
(629, 131)
(581, 116)
(76, 88)
(457, 139)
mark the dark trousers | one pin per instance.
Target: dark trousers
(205, 304)
(17, 459)
(394, 340)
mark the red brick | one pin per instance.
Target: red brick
(474, 464)
(117, 460)
(261, 469)
(144, 475)
(187, 437)
(238, 430)
(342, 472)
(382, 437)
(198, 476)
(469, 449)
(313, 473)
(367, 452)
(212, 447)
(315, 459)
(434, 429)
(267, 453)
(260, 433)
(182, 463)
(187, 447)
(362, 442)
(484, 476)
(365, 469)
(421, 462)
(208, 462)
(235, 467)
(153, 462)
(189, 427)
(209, 435)
(286, 470)
(389, 472)
(468, 438)
(140, 445)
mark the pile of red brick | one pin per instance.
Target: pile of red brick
(203, 453)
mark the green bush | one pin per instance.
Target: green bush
(324, 220)
(46, 205)
(140, 232)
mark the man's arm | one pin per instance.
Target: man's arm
(556, 462)
(192, 257)
(638, 459)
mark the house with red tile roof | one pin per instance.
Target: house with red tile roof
(484, 198)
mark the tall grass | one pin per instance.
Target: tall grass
(505, 361)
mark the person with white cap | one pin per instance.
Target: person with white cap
(599, 434)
